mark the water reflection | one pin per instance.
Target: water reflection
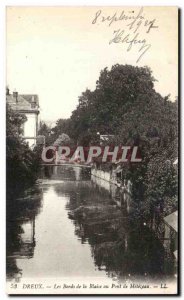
(118, 244)
(65, 173)
(21, 212)
(73, 225)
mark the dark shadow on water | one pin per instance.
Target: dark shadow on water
(103, 218)
(22, 210)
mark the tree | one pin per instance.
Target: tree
(116, 91)
(45, 131)
(21, 162)
(62, 126)
(126, 105)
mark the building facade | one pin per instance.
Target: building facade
(29, 106)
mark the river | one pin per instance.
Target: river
(71, 225)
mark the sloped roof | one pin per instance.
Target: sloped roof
(172, 220)
(22, 103)
(29, 98)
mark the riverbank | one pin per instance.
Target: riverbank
(111, 177)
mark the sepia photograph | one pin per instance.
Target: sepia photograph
(92, 150)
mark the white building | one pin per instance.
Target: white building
(29, 106)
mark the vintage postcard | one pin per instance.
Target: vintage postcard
(92, 150)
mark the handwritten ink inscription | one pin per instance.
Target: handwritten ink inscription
(134, 26)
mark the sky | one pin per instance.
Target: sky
(58, 52)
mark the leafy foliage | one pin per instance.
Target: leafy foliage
(126, 105)
(22, 164)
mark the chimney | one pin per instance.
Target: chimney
(15, 95)
(33, 102)
(7, 91)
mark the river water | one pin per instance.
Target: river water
(71, 225)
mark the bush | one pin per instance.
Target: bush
(22, 164)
